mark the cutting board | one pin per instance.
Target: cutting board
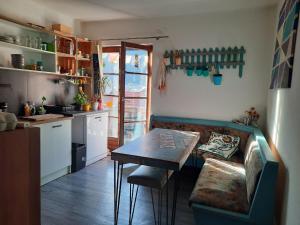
(43, 117)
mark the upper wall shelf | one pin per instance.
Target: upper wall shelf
(25, 48)
(65, 55)
(43, 72)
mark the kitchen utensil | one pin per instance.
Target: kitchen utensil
(17, 61)
(3, 106)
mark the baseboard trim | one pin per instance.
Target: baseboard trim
(55, 175)
(93, 160)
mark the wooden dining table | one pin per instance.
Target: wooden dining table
(162, 148)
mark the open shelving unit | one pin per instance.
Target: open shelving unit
(62, 60)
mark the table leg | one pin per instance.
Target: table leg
(118, 172)
(167, 198)
(176, 187)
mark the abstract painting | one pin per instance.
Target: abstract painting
(285, 45)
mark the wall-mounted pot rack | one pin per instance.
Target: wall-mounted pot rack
(220, 58)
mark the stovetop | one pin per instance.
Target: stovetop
(69, 110)
(59, 109)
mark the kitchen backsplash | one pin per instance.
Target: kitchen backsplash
(16, 88)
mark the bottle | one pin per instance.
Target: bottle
(32, 109)
(27, 110)
(71, 48)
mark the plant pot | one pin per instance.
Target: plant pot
(205, 72)
(198, 71)
(41, 110)
(189, 71)
(86, 107)
(100, 107)
(217, 79)
(95, 106)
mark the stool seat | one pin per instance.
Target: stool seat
(149, 177)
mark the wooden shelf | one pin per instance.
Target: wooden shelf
(64, 55)
(82, 40)
(42, 72)
(28, 49)
(83, 59)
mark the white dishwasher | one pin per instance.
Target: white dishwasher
(91, 130)
(96, 137)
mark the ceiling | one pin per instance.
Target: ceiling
(92, 10)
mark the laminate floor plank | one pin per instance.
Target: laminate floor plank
(86, 198)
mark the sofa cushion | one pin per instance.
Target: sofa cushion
(221, 144)
(204, 130)
(238, 157)
(222, 184)
(253, 166)
(149, 177)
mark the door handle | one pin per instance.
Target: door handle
(56, 126)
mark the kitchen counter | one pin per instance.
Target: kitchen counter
(83, 113)
(33, 123)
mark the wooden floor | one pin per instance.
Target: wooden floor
(86, 198)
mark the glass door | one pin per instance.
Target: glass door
(111, 58)
(135, 86)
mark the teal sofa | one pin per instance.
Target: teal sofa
(238, 191)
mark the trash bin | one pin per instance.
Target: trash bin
(78, 157)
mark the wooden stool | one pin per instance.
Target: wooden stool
(151, 177)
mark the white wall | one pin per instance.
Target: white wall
(283, 125)
(31, 11)
(197, 96)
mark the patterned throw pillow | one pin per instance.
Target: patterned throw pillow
(221, 145)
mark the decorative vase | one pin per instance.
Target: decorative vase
(217, 78)
(100, 104)
(95, 106)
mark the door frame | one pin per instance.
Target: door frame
(122, 75)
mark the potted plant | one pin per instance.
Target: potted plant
(217, 76)
(252, 116)
(81, 100)
(190, 71)
(102, 84)
(41, 110)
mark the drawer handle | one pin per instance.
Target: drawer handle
(98, 117)
(56, 126)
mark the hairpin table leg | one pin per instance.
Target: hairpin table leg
(118, 172)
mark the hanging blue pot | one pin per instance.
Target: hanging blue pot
(217, 78)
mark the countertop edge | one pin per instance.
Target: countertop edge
(33, 123)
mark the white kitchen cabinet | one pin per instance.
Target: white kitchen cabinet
(91, 130)
(55, 149)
